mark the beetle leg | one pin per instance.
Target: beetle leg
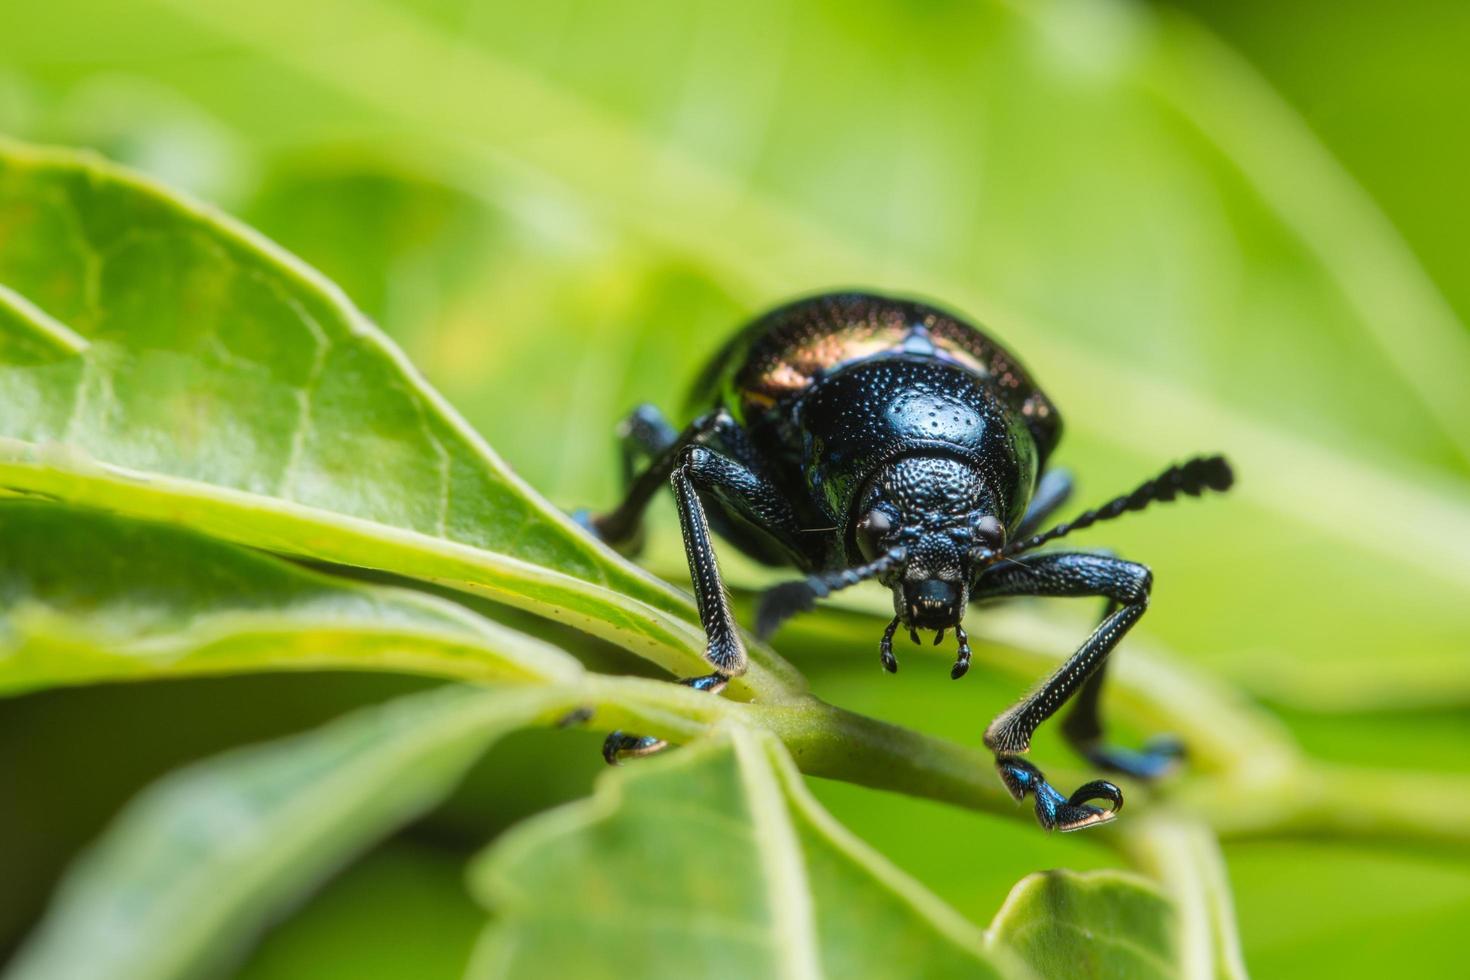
(1127, 585)
(725, 652)
(621, 526)
(1052, 493)
(727, 466)
(701, 470)
(643, 434)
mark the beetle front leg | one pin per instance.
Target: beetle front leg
(703, 470)
(1127, 585)
(725, 651)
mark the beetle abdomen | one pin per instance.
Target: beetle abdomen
(781, 355)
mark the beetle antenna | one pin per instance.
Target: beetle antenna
(780, 602)
(1191, 479)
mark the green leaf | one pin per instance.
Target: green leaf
(200, 862)
(715, 860)
(162, 361)
(86, 596)
(1093, 925)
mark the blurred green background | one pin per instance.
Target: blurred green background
(1241, 227)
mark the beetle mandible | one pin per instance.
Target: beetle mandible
(856, 437)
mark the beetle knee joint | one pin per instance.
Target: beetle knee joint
(1135, 588)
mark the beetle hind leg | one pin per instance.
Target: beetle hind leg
(1159, 757)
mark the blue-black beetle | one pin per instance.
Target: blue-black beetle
(859, 437)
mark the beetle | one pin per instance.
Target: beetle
(862, 437)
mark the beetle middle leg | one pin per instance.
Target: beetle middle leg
(1126, 584)
(1052, 494)
(645, 433)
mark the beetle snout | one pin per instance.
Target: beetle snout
(933, 603)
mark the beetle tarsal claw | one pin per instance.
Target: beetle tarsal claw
(1053, 810)
(621, 745)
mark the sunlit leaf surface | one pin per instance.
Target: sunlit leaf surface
(1100, 924)
(165, 362)
(155, 601)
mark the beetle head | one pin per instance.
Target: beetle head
(935, 511)
(924, 526)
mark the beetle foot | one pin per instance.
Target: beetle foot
(622, 745)
(1053, 810)
(1159, 757)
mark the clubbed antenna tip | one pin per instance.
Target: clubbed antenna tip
(1192, 479)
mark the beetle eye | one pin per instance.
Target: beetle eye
(870, 530)
(990, 533)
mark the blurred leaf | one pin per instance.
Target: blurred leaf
(86, 596)
(715, 861)
(198, 864)
(1376, 82)
(162, 361)
(1092, 925)
(71, 757)
(401, 911)
(1338, 909)
(1182, 854)
(405, 249)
